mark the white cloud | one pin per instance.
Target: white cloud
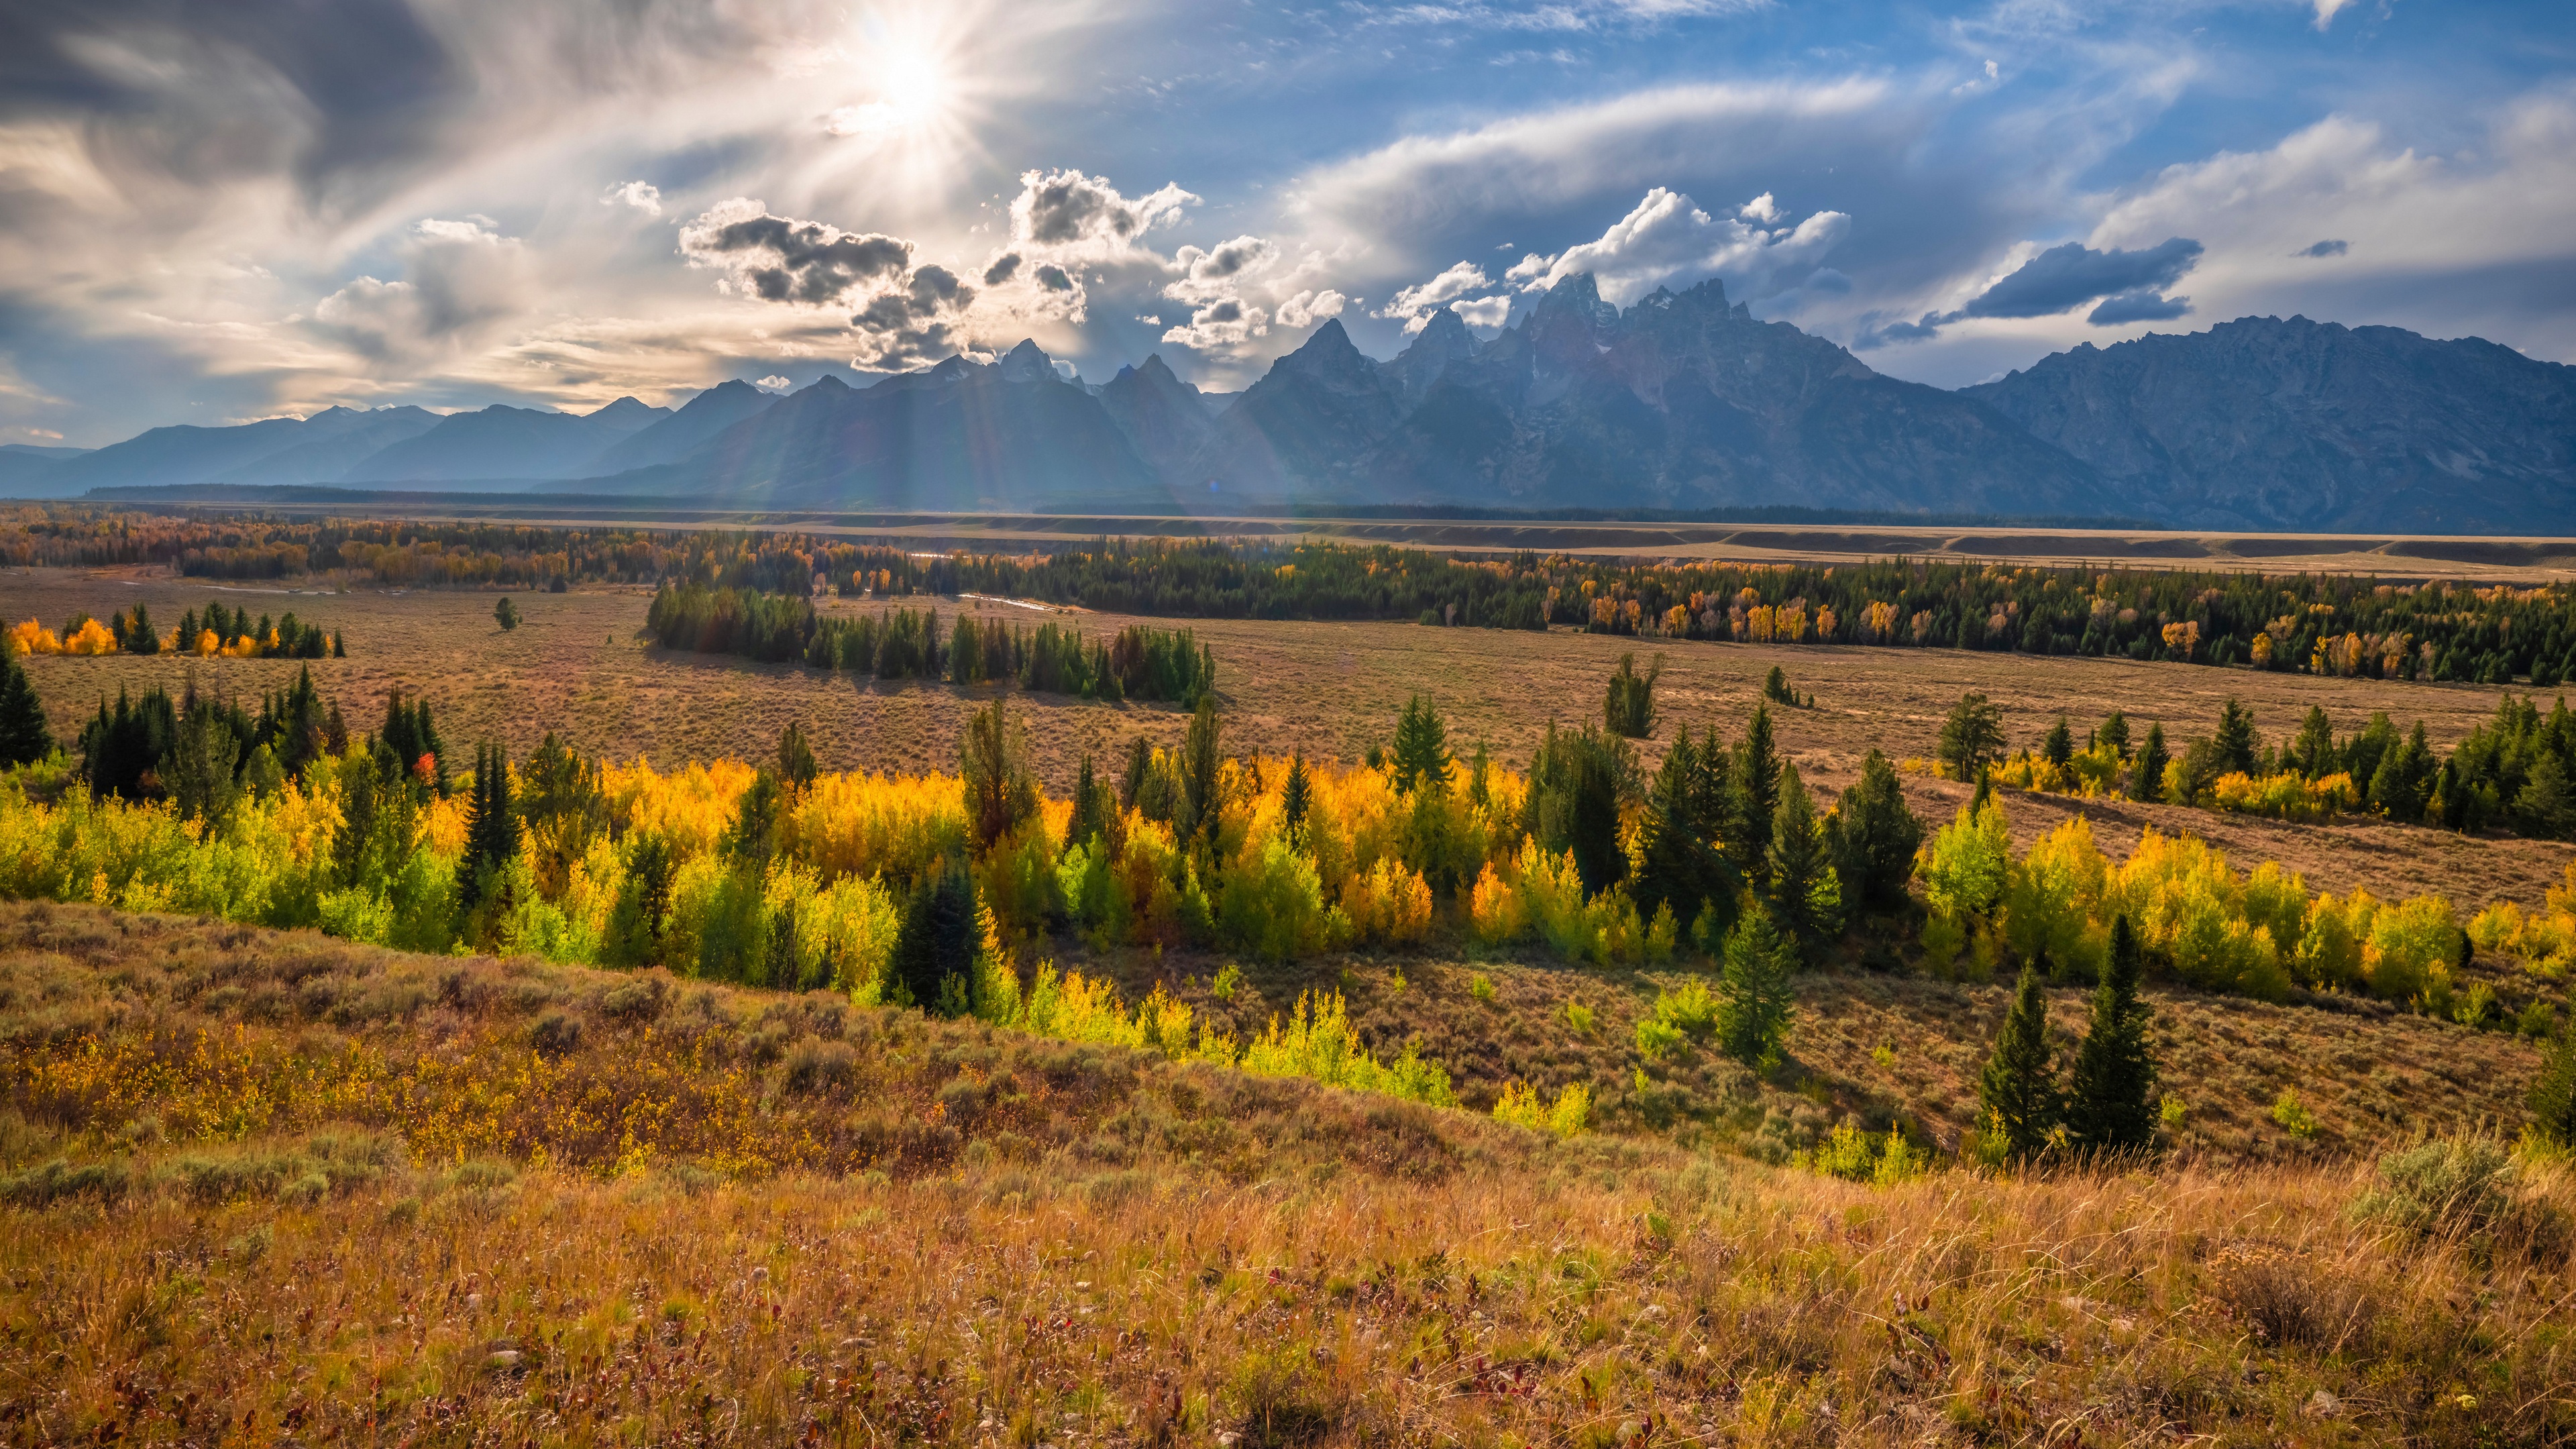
(1484, 312)
(1305, 309)
(2326, 10)
(462, 284)
(644, 196)
(1067, 213)
(1220, 324)
(1417, 304)
(774, 383)
(1668, 240)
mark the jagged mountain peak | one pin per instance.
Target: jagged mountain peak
(1027, 362)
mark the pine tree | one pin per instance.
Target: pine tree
(506, 614)
(2115, 733)
(1131, 781)
(752, 838)
(2553, 1091)
(2018, 1089)
(491, 827)
(1629, 708)
(1875, 835)
(935, 943)
(2313, 753)
(1296, 797)
(2109, 1107)
(2147, 776)
(198, 770)
(2059, 746)
(1805, 894)
(1755, 1004)
(25, 738)
(1199, 761)
(1678, 863)
(1421, 747)
(1756, 798)
(795, 757)
(1573, 802)
(993, 765)
(2236, 741)
(1972, 737)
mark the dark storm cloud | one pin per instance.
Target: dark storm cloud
(1053, 278)
(786, 260)
(2138, 306)
(1004, 267)
(2064, 278)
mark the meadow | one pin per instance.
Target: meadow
(767, 1215)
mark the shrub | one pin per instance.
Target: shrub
(2293, 1116)
(2445, 1187)
(1520, 1105)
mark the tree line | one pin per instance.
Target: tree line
(230, 633)
(1138, 662)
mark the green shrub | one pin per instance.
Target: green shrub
(2441, 1187)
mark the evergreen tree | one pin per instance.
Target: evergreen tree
(140, 637)
(121, 750)
(2236, 742)
(934, 945)
(2147, 776)
(1296, 797)
(293, 723)
(1131, 782)
(2313, 753)
(1755, 1004)
(2115, 733)
(1421, 747)
(1972, 737)
(752, 839)
(1805, 895)
(1875, 835)
(1756, 790)
(1199, 771)
(198, 770)
(491, 828)
(2109, 1108)
(25, 738)
(795, 757)
(1629, 709)
(2018, 1089)
(1091, 808)
(1678, 863)
(2553, 1091)
(506, 614)
(993, 762)
(1573, 802)
(2059, 745)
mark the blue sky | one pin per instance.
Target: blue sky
(231, 212)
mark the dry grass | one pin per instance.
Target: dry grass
(1089, 1248)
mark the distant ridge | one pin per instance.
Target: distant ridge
(1682, 408)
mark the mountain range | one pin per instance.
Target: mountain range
(1681, 401)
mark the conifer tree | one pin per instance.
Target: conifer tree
(1972, 737)
(2059, 745)
(198, 770)
(2115, 733)
(1874, 836)
(752, 838)
(2313, 753)
(1629, 709)
(1573, 802)
(993, 764)
(491, 828)
(1757, 797)
(2553, 1091)
(2108, 1106)
(2018, 1089)
(506, 614)
(1754, 1001)
(1421, 747)
(1296, 797)
(1805, 894)
(1131, 782)
(2235, 741)
(1199, 764)
(24, 736)
(1678, 863)
(935, 943)
(2147, 776)
(795, 757)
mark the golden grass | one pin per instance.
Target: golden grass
(1021, 1242)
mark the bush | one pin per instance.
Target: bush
(2446, 1187)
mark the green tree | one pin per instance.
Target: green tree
(2059, 745)
(24, 736)
(2553, 1091)
(1296, 797)
(1755, 1004)
(1972, 737)
(2236, 742)
(993, 763)
(1095, 807)
(1805, 894)
(140, 636)
(198, 770)
(1756, 790)
(1629, 709)
(2115, 733)
(796, 764)
(753, 837)
(2147, 775)
(1678, 863)
(1874, 836)
(2110, 1105)
(2313, 753)
(491, 829)
(506, 614)
(2018, 1089)
(935, 944)
(1576, 783)
(1200, 758)
(1421, 747)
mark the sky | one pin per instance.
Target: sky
(219, 211)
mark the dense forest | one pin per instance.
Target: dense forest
(2321, 623)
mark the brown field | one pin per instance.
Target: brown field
(581, 666)
(325, 1194)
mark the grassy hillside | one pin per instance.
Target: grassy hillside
(269, 1187)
